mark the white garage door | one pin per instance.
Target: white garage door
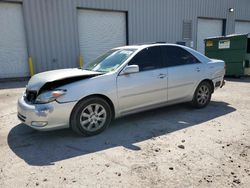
(13, 48)
(100, 31)
(242, 27)
(207, 28)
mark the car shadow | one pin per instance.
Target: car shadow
(46, 148)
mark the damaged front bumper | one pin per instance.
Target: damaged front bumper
(45, 117)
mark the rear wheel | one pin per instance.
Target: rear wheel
(91, 116)
(202, 96)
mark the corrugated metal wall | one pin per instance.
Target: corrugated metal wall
(52, 31)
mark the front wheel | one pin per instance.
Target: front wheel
(202, 95)
(91, 116)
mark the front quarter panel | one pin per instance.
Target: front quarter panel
(101, 85)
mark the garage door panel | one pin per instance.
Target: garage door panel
(242, 27)
(100, 31)
(207, 28)
(13, 48)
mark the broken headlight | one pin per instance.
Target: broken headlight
(49, 96)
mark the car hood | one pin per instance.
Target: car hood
(52, 79)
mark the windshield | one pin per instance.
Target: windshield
(110, 61)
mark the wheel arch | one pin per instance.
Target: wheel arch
(210, 83)
(107, 99)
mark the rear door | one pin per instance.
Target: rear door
(148, 86)
(184, 72)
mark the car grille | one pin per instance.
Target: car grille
(31, 96)
(21, 117)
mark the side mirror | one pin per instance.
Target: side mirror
(130, 69)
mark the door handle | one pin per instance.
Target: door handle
(198, 69)
(161, 76)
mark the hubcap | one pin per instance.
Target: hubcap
(203, 95)
(93, 117)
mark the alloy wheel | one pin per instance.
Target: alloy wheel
(93, 117)
(203, 95)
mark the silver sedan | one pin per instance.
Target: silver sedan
(123, 81)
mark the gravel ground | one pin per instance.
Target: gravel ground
(175, 146)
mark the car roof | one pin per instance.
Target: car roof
(146, 45)
(197, 54)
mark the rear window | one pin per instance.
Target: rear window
(174, 56)
(198, 55)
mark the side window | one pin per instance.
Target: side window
(148, 59)
(175, 56)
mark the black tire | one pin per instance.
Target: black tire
(201, 100)
(77, 116)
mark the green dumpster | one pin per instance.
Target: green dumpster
(234, 50)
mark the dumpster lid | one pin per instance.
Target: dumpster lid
(227, 36)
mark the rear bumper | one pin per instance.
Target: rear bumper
(223, 84)
(45, 117)
(219, 82)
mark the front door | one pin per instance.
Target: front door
(145, 88)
